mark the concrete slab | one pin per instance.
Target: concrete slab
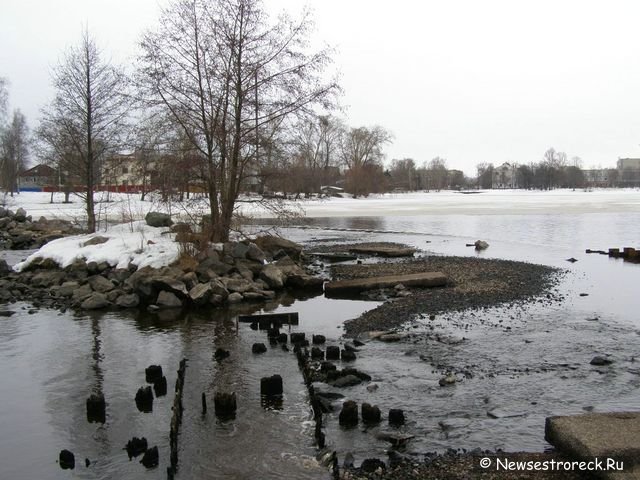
(384, 250)
(599, 435)
(422, 280)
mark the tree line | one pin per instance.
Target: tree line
(224, 99)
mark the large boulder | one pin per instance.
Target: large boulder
(218, 289)
(97, 240)
(170, 284)
(304, 281)
(237, 285)
(168, 300)
(273, 276)
(129, 300)
(158, 219)
(201, 293)
(48, 278)
(288, 266)
(271, 244)
(100, 284)
(239, 250)
(254, 253)
(20, 215)
(95, 301)
(82, 292)
(211, 268)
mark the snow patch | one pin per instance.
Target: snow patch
(134, 242)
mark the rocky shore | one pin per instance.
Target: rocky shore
(222, 274)
(18, 231)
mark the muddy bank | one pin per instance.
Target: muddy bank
(473, 283)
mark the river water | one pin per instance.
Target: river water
(515, 365)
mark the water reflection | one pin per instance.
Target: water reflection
(50, 363)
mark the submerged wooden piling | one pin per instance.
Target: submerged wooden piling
(176, 420)
(305, 368)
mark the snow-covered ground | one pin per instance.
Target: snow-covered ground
(134, 242)
(124, 207)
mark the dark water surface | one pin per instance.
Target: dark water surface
(515, 365)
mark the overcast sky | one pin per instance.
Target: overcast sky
(471, 81)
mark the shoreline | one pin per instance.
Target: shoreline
(474, 283)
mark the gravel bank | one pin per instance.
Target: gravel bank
(474, 283)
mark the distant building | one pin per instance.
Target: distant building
(38, 179)
(121, 173)
(599, 177)
(505, 176)
(628, 172)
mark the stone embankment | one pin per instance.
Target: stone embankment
(222, 274)
(18, 231)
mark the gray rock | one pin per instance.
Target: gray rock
(20, 215)
(217, 288)
(255, 253)
(272, 244)
(391, 337)
(95, 301)
(446, 381)
(211, 268)
(235, 298)
(100, 284)
(170, 284)
(158, 219)
(289, 267)
(216, 300)
(273, 276)
(237, 285)
(190, 280)
(129, 300)
(599, 360)
(245, 272)
(201, 293)
(82, 292)
(48, 278)
(304, 281)
(168, 300)
(97, 240)
(67, 289)
(481, 245)
(240, 250)
(346, 381)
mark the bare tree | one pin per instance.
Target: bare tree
(437, 174)
(87, 119)
(225, 73)
(4, 100)
(485, 174)
(404, 175)
(14, 150)
(361, 151)
(314, 142)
